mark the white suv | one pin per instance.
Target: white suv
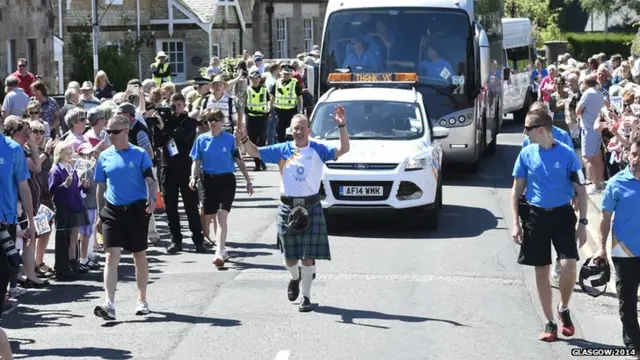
(395, 159)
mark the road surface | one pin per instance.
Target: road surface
(390, 292)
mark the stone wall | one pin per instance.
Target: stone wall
(23, 21)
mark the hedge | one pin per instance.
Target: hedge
(584, 45)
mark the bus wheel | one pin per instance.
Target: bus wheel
(493, 146)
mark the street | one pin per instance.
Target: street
(390, 292)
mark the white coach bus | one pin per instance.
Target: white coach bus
(455, 47)
(518, 52)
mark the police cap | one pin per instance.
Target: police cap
(126, 108)
(201, 81)
(255, 74)
(287, 69)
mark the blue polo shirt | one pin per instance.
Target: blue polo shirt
(548, 174)
(13, 170)
(558, 134)
(122, 171)
(215, 153)
(622, 197)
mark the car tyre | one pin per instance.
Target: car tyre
(432, 219)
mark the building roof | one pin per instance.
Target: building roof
(205, 10)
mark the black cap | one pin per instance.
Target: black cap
(201, 80)
(255, 74)
(287, 69)
(126, 108)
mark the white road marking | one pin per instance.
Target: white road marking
(283, 355)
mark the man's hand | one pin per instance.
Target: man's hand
(600, 255)
(340, 116)
(192, 183)
(31, 233)
(249, 188)
(151, 206)
(517, 233)
(98, 226)
(581, 235)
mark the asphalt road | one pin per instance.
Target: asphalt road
(390, 292)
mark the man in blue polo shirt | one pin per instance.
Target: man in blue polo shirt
(622, 197)
(123, 175)
(13, 187)
(551, 173)
(562, 137)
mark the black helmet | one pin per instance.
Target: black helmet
(596, 275)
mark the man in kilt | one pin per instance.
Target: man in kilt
(302, 228)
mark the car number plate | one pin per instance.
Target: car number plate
(361, 191)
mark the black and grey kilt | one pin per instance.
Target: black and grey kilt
(312, 244)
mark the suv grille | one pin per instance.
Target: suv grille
(361, 166)
(361, 190)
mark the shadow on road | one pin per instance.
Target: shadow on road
(59, 293)
(455, 222)
(83, 352)
(166, 317)
(29, 318)
(240, 265)
(348, 315)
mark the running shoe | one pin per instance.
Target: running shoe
(550, 332)
(566, 327)
(142, 307)
(305, 305)
(106, 312)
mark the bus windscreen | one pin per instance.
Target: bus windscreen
(433, 43)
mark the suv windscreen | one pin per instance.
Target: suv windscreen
(382, 120)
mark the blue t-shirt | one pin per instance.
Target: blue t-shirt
(13, 170)
(621, 197)
(548, 174)
(301, 168)
(122, 171)
(558, 134)
(215, 153)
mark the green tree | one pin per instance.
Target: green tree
(121, 63)
(544, 19)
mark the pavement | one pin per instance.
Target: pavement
(390, 292)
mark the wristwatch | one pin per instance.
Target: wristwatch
(584, 221)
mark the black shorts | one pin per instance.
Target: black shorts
(543, 227)
(126, 227)
(5, 270)
(219, 191)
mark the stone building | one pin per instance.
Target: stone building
(287, 28)
(190, 32)
(27, 32)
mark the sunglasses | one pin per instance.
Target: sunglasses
(38, 132)
(34, 112)
(529, 128)
(114, 132)
(216, 120)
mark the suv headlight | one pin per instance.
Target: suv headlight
(419, 162)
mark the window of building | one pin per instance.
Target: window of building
(281, 38)
(32, 55)
(215, 51)
(308, 34)
(13, 54)
(175, 50)
(113, 2)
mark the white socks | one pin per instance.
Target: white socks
(92, 241)
(307, 278)
(293, 270)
